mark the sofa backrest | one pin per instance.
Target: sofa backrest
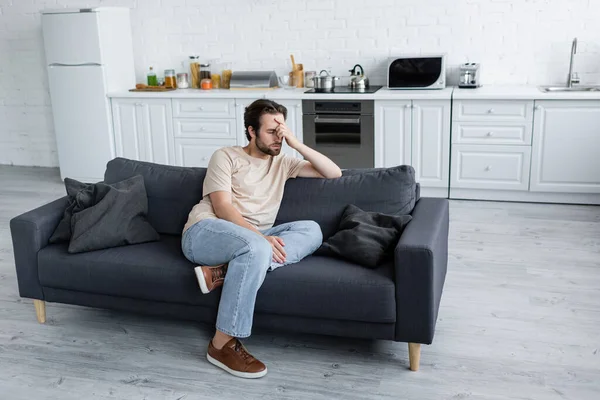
(173, 191)
(386, 190)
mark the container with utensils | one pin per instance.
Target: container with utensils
(297, 73)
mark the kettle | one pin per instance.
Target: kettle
(358, 81)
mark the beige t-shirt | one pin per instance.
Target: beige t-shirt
(256, 185)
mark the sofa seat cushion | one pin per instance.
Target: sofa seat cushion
(149, 271)
(318, 287)
(324, 287)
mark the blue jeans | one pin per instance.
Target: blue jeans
(217, 241)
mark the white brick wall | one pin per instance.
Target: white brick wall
(517, 42)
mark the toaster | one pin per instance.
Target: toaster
(469, 75)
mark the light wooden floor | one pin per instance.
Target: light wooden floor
(520, 319)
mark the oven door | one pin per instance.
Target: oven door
(347, 139)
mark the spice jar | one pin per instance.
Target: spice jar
(206, 84)
(182, 80)
(170, 81)
(308, 78)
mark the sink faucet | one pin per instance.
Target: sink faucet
(572, 78)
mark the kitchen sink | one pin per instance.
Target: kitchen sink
(576, 88)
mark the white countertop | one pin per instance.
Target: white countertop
(519, 93)
(293, 94)
(483, 93)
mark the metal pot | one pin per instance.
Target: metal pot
(359, 82)
(324, 83)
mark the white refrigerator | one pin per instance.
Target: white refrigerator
(89, 53)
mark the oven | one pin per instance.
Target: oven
(343, 130)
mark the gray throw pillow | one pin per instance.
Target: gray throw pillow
(101, 216)
(365, 238)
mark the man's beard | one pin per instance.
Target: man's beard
(268, 150)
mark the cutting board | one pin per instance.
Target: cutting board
(153, 89)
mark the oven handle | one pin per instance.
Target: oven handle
(337, 120)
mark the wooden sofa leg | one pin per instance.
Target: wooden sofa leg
(40, 310)
(414, 355)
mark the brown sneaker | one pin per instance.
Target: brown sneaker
(235, 359)
(210, 278)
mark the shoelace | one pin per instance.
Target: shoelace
(240, 348)
(219, 273)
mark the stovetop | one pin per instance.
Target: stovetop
(346, 90)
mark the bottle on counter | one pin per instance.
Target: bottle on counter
(152, 79)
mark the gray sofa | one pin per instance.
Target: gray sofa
(323, 295)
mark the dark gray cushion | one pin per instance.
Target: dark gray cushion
(172, 191)
(384, 190)
(102, 215)
(366, 238)
(317, 286)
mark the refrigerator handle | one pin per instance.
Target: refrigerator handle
(75, 65)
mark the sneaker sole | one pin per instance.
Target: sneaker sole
(201, 280)
(247, 375)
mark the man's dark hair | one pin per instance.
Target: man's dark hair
(257, 109)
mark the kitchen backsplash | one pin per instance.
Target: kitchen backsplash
(516, 42)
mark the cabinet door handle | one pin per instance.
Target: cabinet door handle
(201, 129)
(298, 105)
(200, 108)
(538, 107)
(407, 106)
(491, 111)
(490, 134)
(138, 104)
(488, 168)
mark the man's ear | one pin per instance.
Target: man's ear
(252, 132)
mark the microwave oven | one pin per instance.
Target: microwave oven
(423, 71)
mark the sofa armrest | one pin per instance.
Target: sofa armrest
(30, 233)
(421, 259)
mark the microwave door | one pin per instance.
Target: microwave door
(415, 72)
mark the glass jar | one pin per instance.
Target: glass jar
(216, 81)
(226, 75)
(206, 84)
(204, 71)
(170, 80)
(194, 69)
(182, 80)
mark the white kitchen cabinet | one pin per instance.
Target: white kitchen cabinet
(143, 129)
(203, 108)
(293, 121)
(566, 147)
(393, 133)
(490, 167)
(493, 110)
(416, 133)
(197, 152)
(431, 143)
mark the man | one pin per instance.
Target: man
(230, 233)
